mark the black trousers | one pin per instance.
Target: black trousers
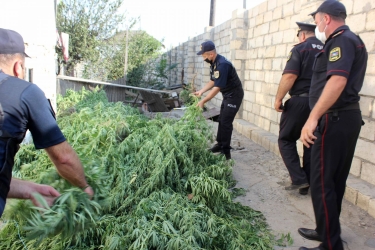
(296, 111)
(228, 110)
(331, 157)
(2, 206)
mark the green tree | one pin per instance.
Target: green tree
(88, 23)
(143, 50)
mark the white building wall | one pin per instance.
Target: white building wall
(35, 21)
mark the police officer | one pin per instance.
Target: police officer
(333, 126)
(296, 79)
(224, 79)
(23, 106)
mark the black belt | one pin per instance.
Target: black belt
(301, 95)
(351, 106)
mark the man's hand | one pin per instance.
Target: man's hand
(88, 190)
(278, 104)
(307, 133)
(200, 104)
(198, 93)
(47, 192)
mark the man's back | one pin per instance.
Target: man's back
(24, 107)
(300, 62)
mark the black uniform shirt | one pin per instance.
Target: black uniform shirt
(344, 54)
(224, 75)
(300, 62)
(24, 107)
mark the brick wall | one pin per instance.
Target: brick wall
(257, 41)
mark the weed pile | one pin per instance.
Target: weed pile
(156, 186)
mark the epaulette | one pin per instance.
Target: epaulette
(338, 33)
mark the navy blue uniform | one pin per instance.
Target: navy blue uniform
(23, 106)
(296, 109)
(225, 77)
(344, 54)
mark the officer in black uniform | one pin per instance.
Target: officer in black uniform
(296, 79)
(335, 119)
(24, 106)
(224, 79)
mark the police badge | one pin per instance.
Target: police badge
(216, 74)
(335, 54)
(289, 56)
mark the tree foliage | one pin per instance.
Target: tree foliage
(96, 42)
(144, 67)
(88, 23)
(141, 48)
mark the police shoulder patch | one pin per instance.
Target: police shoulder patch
(335, 54)
(289, 56)
(216, 74)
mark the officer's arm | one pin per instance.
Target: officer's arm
(21, 189)
(286, 83)
(329, 96)
(211, 94)
(207, 87)
(68, 165)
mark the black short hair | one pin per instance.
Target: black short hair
(6, 58)
(307, 32)
(335, 18)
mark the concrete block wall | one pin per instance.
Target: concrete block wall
(257, 41)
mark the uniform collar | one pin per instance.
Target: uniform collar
(338, 31)
(298, 44)
(307, 39)
(311, 38)
(216, 59)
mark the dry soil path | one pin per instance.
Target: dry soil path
(259, 171)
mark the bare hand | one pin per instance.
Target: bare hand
(200, 104)
(278, 104)
(198, 93)
(47, 192)
(88, 190)
(307, 133)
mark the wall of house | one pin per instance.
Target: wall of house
(257, 41)
(35, 21)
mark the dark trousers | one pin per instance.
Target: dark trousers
(331, 157)
(296, 111)
(2, 206)
(228, 110)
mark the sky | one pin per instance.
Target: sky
(177, 20)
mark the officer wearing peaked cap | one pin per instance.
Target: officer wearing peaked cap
(23, 106)
(224, 79)
(296, 80)
(335, 120)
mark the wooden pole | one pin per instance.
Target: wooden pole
(212, 13)
(126, 53)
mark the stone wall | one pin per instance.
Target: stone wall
(257, 41)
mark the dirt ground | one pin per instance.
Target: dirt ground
(259, 171)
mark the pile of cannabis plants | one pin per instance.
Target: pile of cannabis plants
(156, 186)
